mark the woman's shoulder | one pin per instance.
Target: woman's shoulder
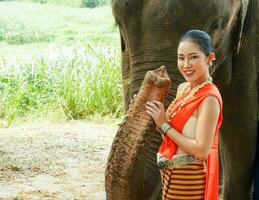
(212, 90)
(210, 103)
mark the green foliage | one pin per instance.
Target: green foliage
(93, 3)
(58, 60)
(73, 3)
(23, 37)
(77, 82)
(48, 23)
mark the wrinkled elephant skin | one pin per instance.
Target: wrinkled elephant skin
(150, 31)
(131, 161)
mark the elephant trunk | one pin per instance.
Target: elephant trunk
(132, 157)
(141, 61)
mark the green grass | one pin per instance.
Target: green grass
(23, 23)
(56, 59)
(74, 3)
(76, 82)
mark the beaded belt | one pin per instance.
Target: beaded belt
(178, 161)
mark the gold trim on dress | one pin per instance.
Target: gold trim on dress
(177, 161)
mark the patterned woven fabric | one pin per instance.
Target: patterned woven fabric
(178, 161)
(168, 148)
(184, 182)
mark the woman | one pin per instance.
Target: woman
(188, 155)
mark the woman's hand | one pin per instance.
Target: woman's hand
(157, 111)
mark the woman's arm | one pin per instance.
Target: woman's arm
(208, 110)
(181, 89)
(207, 121)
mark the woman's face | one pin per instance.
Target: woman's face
(192, 63)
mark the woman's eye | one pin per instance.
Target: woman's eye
(194, 57)
(180, 58)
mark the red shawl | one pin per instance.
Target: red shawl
(168, 147)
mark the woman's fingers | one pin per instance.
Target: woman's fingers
(150, 113)
(159, 104)
(156, 110)
(152, 108)
(152, 104)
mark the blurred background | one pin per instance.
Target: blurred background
(59, 60)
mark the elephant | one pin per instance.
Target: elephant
(150, 31)
(126, 154)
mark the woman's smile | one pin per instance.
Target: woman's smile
(189, 73)
(192, 63)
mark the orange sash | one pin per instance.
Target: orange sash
(168, 147)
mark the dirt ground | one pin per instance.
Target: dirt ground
(54, 160)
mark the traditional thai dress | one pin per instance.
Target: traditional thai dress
(185, 176)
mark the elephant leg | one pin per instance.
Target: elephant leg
(238, 140)
(256, 179)
(238, 169)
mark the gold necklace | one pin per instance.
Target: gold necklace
(170, 113)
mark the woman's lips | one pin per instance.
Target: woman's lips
(189, 72)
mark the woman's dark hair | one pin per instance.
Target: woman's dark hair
(201, 38)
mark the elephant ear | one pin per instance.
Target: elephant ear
(243, 16)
